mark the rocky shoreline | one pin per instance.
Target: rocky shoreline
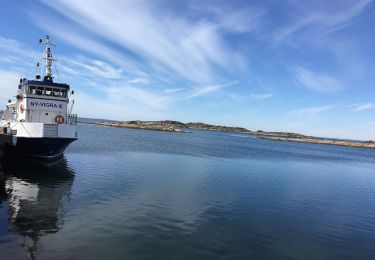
(176, 126)
(313, 140)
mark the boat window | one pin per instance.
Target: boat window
(39, 91)
(63, 93)
(48, 91)
(32, 90)
(56, 92)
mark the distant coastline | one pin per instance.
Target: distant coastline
(176, 126)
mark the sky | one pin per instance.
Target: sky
(297, 66)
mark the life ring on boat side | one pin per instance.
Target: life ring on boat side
(59, 119)
(22, 108)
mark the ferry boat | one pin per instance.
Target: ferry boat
(39, 122)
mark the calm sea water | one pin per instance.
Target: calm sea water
(133, 194)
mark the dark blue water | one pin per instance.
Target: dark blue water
(134, 194)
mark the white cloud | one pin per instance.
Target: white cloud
(317, 82)
(15, 48)
(288, 30)
(364, 106)
(261, 96)
(139, 81)
(70, 34)
(191, 49)
(116, 110)
(240, 20)
(320, 19)
(18, 56)
(94, 68)
(26, 58)
(173, 90)
(351, 56)
(208, 89)
(8, 86)
(136, 96)
(310, 111)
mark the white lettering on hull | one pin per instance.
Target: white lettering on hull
(46, 105)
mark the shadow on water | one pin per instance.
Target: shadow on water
(33, 194)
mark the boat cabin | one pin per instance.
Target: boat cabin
(40, 101)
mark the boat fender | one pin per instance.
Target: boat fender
(59, 119)
(22, 108)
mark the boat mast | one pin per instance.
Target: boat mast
(48, 58)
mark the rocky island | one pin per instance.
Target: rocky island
(167, 125)
(176, 126)
(170, 126)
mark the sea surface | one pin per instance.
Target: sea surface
(135, 194)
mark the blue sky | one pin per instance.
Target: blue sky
(289, 65)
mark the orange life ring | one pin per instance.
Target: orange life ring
(59, 119)
(22, 108)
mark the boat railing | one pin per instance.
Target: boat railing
(72, 119)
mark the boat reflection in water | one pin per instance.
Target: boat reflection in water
(33, 195)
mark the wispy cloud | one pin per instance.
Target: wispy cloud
(316, 81)
(14, 47)
(94, 67)
(173, 90)
(136, 96)
(310, 111)
(8, 86)
(351, 56)
(189, 48)
(322, 19)
(139, 81)
(240, 20)
(117, 109)
(363, 106)
(261, 96)
(70, 34)
(208, 89)
(17, 55)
